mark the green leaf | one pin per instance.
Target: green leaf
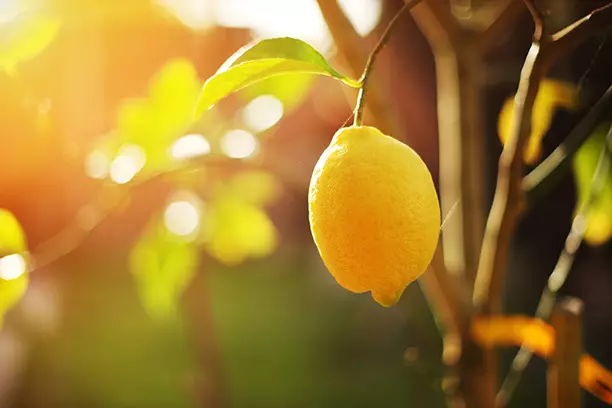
(13, 262)
(163, 266)
(599, 212)
(263, 60)
(290, 89)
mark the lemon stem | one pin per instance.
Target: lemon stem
(372, 58)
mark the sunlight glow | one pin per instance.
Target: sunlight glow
(263, 112)
(274, 18)
(364, 14)
(96, 165)
(300, 18)
(190, 146)
(182, 218)
(123, 169)
(239, 144)
(9, 10)
(12, 266)
(195, 14)
(127, 164)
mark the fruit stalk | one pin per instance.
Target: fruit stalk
(365, 77)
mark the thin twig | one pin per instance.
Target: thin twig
(352, 48)
(548, 173)
(561, 271)
(365, 77)
(538, 20)
(508, 200)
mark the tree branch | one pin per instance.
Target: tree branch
(565, 40)
(460, 133)
(508, 199)
(538, 20)
(561, 271)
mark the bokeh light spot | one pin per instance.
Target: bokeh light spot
(190, 146)
(263, 112)
(182, 218)
(364, 14)
(239, 144)
(123, 169)
(9, 10)
(96, 165)
(130, 160)
(136, 153)
(195, 14)
(12, 266)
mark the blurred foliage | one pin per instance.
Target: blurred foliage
(263, 60)
(163, 264)
(13, 276)
(552, 95)
(24, 38)
(235, 227)
(232, 226)
(599, 212)
(154, 122)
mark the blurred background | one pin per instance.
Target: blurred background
(155, 282)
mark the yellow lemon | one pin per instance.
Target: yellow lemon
(374, 213)
(552, 94)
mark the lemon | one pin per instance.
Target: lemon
(374, 213)
(552, 95)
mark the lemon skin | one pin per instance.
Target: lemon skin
(374, 213)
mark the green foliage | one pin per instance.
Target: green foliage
(13, 276)
(163, 266)
(235, 226)
(153, 123)
(261, 61)
(29, 36)
(599, 212)
(232, 224)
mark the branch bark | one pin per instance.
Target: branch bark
(461, 136)
(508, 200)
(564, 365)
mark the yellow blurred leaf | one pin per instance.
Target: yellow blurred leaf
(599, 213)
(234, 229)
(256, 187)
(12, 238)
(13, 267)
(163, 266)
(28, 36)
(538, 336)
(551, 96)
